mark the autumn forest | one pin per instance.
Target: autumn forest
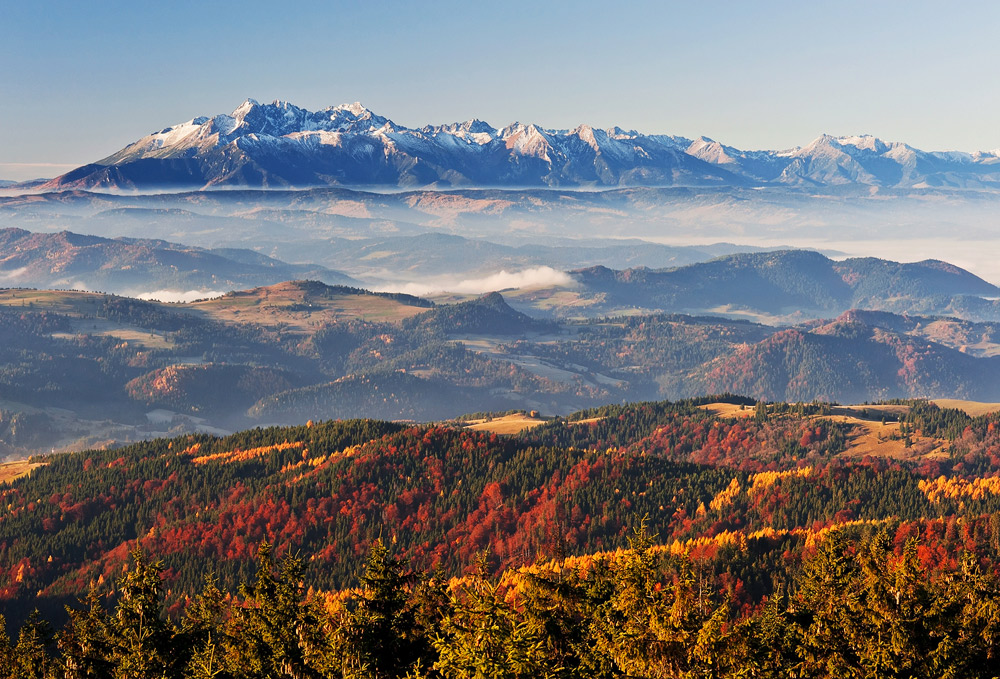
(717, 537)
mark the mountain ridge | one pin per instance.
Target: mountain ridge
(282, 145)
(775, 282)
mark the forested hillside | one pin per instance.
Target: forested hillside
(746, 511)
(748, 499)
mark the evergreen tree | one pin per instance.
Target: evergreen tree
(85, 648)
(204, 634)
(30, 655)
(381, 632)
(277, 632)
(485, 638)
(141, 640)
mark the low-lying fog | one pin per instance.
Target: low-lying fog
(539, 276)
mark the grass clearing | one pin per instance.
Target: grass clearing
(99, 327)
(971, 408)
(70, 302)
(508, 424)
(16, 469)
(728, 409)
(884, 440)
(868, 435)
(589, 420)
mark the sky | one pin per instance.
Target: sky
(80, 80)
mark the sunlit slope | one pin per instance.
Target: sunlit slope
(443, 493)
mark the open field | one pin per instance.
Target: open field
(16, 469)
(971, 408)
(885, 440)
(100, 327)
(728, 409)
(71, 302)
(589, 420)
(289, 306)
(508, 424)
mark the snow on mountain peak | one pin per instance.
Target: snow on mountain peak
(709, 150)
(350, 143)
(248, 105)
(586, 134)
(526, 140)
(865, 142)
(356, 109)
(477, 126)
(618, 133)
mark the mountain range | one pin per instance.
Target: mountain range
(282, 145)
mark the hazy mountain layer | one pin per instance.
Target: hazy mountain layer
(308, 225)
(70, 260)
(784, 284)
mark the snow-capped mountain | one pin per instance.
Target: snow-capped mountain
(279, 144)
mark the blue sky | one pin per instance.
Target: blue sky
(82, 79)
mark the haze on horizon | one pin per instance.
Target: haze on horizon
(88, 79)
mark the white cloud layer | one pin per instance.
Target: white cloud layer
(541, 276)
(12, 275)
(179, 295)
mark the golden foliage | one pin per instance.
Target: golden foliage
(239, 455)
(726, 497)
(764, 480)
(959, 489)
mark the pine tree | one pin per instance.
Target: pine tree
(30, 656)
(85, 642)
(203, 634)
(485, 638)
(141, 640)
(277, 632)
(6, 652)
(826, 608)
(381, 633)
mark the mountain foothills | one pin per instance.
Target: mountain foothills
(127, 266)
(708, 537)
(282, 145)
(82, 369)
